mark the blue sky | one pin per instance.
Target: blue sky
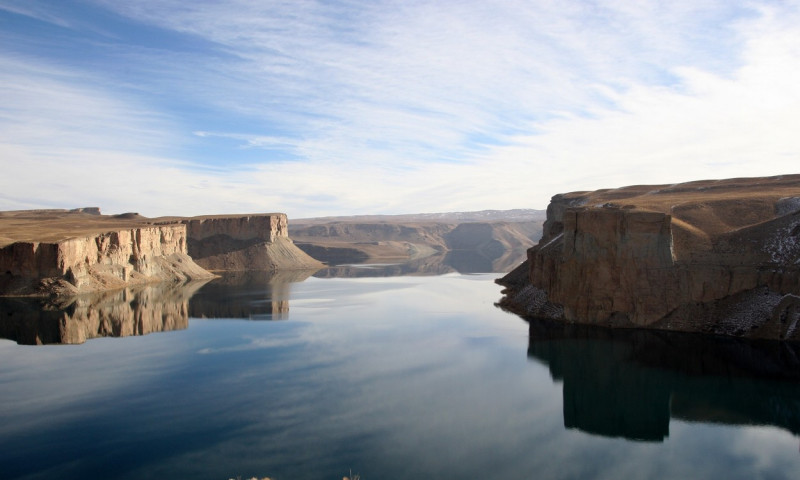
(169, 107)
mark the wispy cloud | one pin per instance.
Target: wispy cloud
(352, 107)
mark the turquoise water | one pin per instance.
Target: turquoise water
(391, 378)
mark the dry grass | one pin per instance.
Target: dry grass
(704, 210)
(56, 225)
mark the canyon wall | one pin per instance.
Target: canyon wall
(100, 261)
(716, 256)
(245, 242)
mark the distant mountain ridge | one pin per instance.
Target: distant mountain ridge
(493, 236)
(513, 215)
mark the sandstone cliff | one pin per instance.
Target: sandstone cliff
(245, 242)
(70, 252)
(66, 253)
(714, 256)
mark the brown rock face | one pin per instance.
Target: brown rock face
(100, 261)
(68, 252)
(245, 242)
(266, 227)
(714, 256)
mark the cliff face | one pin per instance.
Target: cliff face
(245, 242)
(69, 252)
(99, 261)
(718, 256)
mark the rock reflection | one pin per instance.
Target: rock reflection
(456, 261)
(73, 320)
(630, 383)
(252, 295)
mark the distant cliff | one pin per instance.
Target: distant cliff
(245, 242)
(404, 239)
(714, 256)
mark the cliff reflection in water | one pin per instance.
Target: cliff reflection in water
(252, 295)
(629, 383)
(120, 313)
(146, 309)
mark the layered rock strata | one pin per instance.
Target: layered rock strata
(713, 256)
(245, 242)
(100, 261)
(71, 252)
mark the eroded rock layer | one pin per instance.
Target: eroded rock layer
(70, 252)
(714, 256)
(100, 261)
(245, 242)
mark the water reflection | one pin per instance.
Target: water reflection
(460, 261)
(119, 313)
(630, 383)
(146, 309)
(250, 295)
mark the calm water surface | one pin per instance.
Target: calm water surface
(390, 377)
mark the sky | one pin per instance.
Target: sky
(316, 108)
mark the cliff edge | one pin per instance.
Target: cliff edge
(71, 252)
(716, 256)
(245, 242)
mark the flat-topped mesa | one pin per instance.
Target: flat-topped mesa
(266, 227)
(63, 252)
(245, 242)
(713, 256)
(100, 261)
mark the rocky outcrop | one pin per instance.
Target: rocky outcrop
(713, 256)
(245, 242)
(100, 261)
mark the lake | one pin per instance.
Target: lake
(388, 377)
